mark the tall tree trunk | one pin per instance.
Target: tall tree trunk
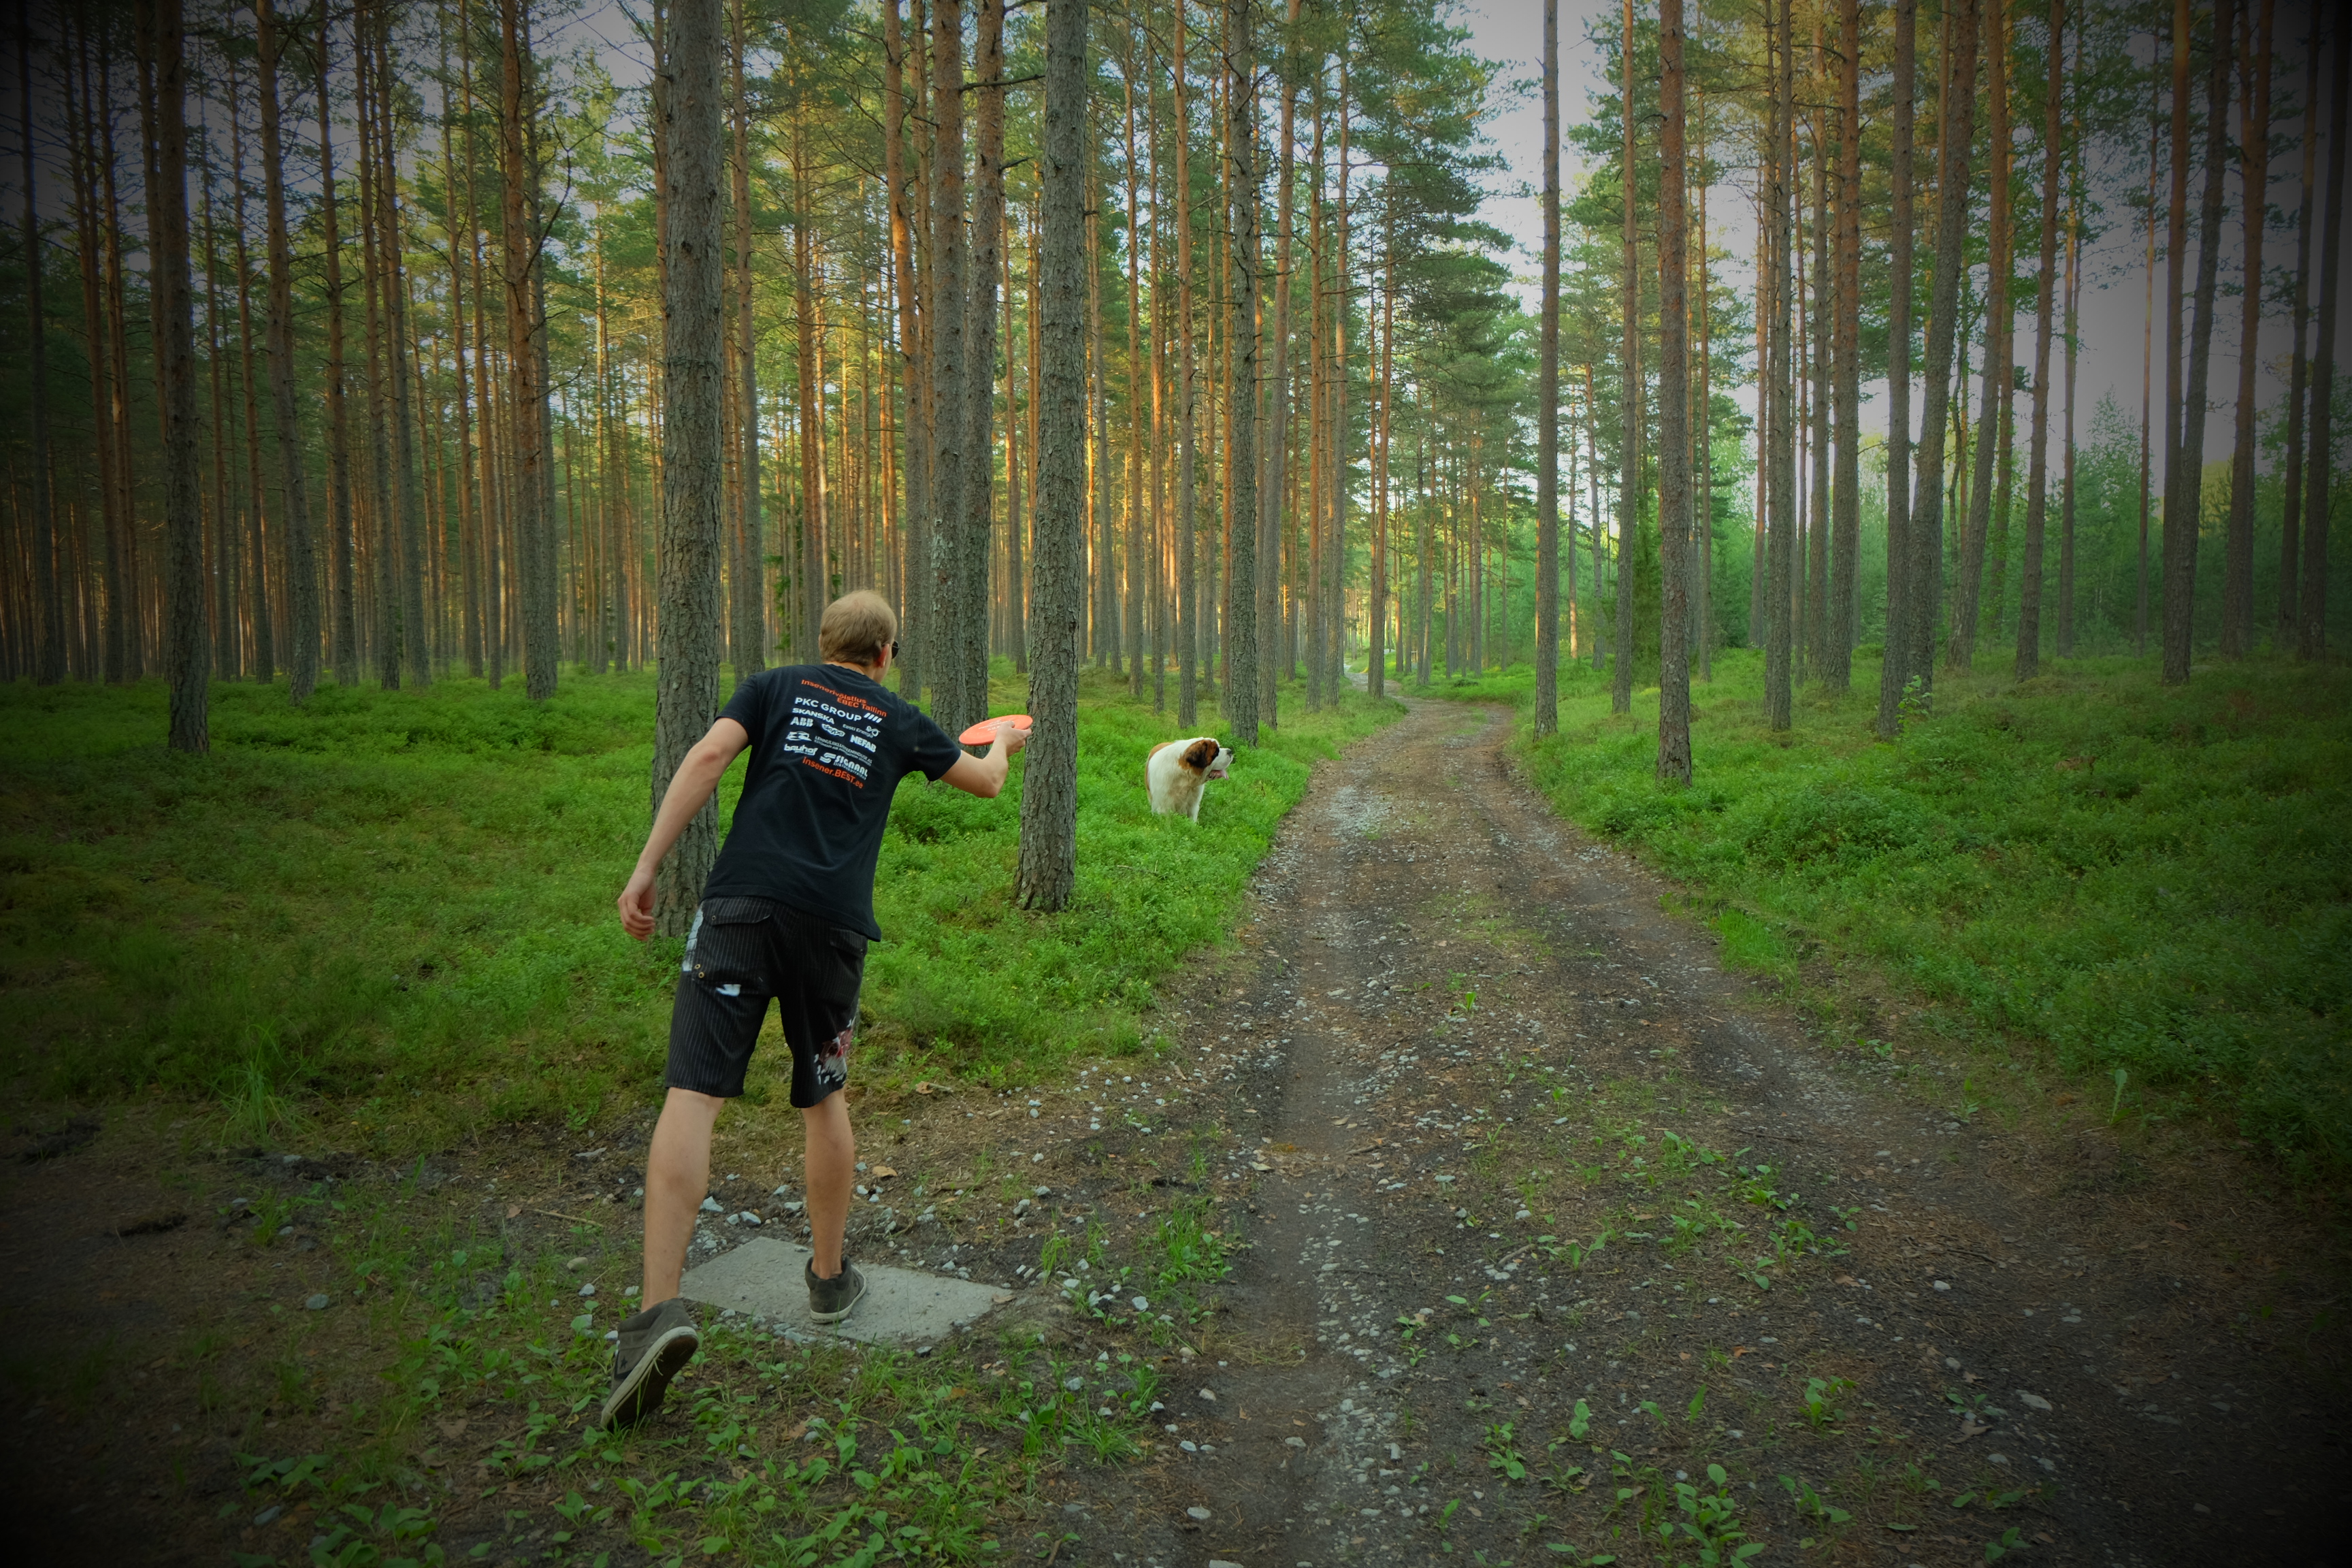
(2290, 601)
(1968, 583)
(1781, 437)
(187, 658)
(914, 528)
(2312, 641)
(256, 575)
(1548, 401)
(300, 568)
(951, 430)
(1845, 343)
(2184, 474)
(1240, 702)
(2074, 286)
(1926, 521)
(408, 531)
(49, 614)
(2147, 377)
(1816, 561)
(1629, 484)
(1673, 410)
(533, 528)
(2037, 472)
(1277, 431)
(2254, 151)
(343, 646)
(1188, 531)
(750, 578)
(976, 512)
(687, 695)
(1048, 872)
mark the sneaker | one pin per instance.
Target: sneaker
(654, 1347)
(831, 1300)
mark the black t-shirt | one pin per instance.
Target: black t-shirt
(828, 748)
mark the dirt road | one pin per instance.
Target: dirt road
(1530, 1152)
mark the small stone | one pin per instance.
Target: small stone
(612, 1336)
(2031, 1401)
(1189, 1445)
(317, 1303)
(1196, 1511)
(1210, 1395)
(632, 1290)
(1143, 1304)
(1041, 1191)
(1221, 1562)
(274, 1510)
(1942, 1285)
(1294, 1442)
(1074, 1383)
(576, 1264)
(291, 1159)
(589, 1289)
(710, 1206)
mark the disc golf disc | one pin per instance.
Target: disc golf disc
(984, 732)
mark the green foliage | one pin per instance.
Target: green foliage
(2146, 879)
(390, 892)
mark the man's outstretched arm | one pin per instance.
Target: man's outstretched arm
(697, 777)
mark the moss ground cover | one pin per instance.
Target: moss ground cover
(402, 900)
(2138, 877)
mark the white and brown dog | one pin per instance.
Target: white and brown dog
(1180, 772)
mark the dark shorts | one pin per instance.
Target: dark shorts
(742, 954)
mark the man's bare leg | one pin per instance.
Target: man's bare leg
(678, 1177)
(832, 1162)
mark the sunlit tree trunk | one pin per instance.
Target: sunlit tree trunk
(976, 512)
(1048, 871)
(1780, 547)
(1547, 717)
(1241, 677)
(534, 530)
(1968, 583)
(1188, 531)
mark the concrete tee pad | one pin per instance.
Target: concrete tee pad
(902, 1306)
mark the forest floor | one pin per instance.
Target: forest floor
(1475, 1210)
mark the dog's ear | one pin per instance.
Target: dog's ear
(1201, 755)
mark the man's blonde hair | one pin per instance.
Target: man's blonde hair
(856, 628)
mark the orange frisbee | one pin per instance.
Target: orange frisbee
(984, 732)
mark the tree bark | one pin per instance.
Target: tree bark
(2313, 642)
(1241, 698)
(48, 614)
(1547, 717)
(951, 427)
(1846, 342)
(749, 632)
(1188, 531)
(686, 693)
(1673, 410)
(533, 528)
(1780, 546)
(1629, 484)
(2073, 286)
(1967, 583)
(2029, 605)
(1047, 873)
(977, 510)
(2254, 151)
(2184, 473)
(187, 655)
(342, 638)
(1927, 520)
(2289, 602)
(300, 569)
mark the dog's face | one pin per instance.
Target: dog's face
(1208, 759)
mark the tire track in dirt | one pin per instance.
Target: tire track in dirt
(1449, 990)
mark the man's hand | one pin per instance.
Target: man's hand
(1011, 736)
(636, 905)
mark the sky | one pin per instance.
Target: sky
(2111, 323)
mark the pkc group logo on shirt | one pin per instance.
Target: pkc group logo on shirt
(830, 729)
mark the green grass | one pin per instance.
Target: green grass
(395, 896)
(2179, 907)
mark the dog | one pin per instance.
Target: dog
(1180, 771)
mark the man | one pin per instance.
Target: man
(785, 916)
